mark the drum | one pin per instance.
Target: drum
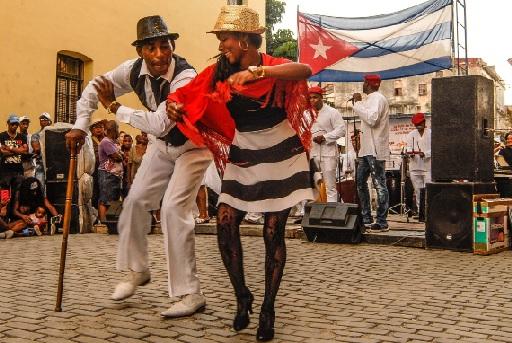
(393, 185)
(347, 190)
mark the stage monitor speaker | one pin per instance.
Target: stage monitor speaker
(332, 222)
(56, 155)
(449, 213)
(462, 110)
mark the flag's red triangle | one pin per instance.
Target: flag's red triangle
(319, 48)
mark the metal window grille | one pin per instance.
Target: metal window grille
(68, 87)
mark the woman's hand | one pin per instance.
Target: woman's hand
(175, 111)
(241, 78)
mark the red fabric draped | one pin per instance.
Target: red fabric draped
(208, 122)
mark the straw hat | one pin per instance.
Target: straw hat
(152, 27)
(238, 18)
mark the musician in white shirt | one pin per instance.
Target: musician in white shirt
(328, 128)
(374, 151)
(419, 153)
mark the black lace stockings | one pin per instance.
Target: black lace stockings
(228, 236)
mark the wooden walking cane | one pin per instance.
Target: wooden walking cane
(65, 228)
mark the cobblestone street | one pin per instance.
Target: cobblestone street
(330, 293)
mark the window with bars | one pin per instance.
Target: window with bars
(68, 87)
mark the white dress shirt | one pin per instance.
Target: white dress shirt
(331, 125)
(423, 144)
(154, 123)
(374, 115)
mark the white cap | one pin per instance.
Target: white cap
(22, 118)
(45, 115)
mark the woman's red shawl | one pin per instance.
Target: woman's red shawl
(208, 122)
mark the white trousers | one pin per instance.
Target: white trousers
(418, 180)
(328, 166)
(171, 175)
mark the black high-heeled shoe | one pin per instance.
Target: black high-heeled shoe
(244, 307)
(266, 327)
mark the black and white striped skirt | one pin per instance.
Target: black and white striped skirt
(267, 171)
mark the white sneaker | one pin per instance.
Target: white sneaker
(188, 305)
(126, 289)
(7, 234)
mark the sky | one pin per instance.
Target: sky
(488, 25)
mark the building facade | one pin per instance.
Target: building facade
(410, 95)
(53, 48)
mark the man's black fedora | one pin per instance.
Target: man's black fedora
(152, 27)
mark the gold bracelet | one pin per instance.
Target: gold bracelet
(109, 107)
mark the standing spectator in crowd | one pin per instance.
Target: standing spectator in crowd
(44, 120)
(120, 139)
(374, 151)
(12, 146)
(97, 134)
(126, 149)
(28, 160)
(135, 157)
(419, 153)
(328, 128)
(110, 170)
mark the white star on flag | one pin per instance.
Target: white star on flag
(320, 49)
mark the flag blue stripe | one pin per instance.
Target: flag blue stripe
(404, 43)
(378, 21)
(429, 66)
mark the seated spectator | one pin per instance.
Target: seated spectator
(5, 229)
(110, 170)
(28, 199)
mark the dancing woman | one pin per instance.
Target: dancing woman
(252, 105)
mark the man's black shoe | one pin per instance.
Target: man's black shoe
(379, 228)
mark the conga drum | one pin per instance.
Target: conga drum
(393, 185)
(347, 190)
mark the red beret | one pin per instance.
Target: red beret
(418, 118)
(316, 90)
(373, 79)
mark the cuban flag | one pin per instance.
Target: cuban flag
(414, 41)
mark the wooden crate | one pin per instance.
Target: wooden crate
(490, 223)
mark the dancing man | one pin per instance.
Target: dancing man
(374, 151)
(171, 170)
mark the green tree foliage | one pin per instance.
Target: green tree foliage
(280, 43)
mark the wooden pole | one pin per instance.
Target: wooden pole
(67, 221)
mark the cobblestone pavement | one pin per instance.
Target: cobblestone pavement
(330, 293)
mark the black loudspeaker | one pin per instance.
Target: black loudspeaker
(462, 110)
(450, 214)
(56, 155)
(113, 212)
(332, 223)
(56, 194)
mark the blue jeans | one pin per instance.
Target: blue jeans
(369, 165)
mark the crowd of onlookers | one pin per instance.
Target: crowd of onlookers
(24, 208)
